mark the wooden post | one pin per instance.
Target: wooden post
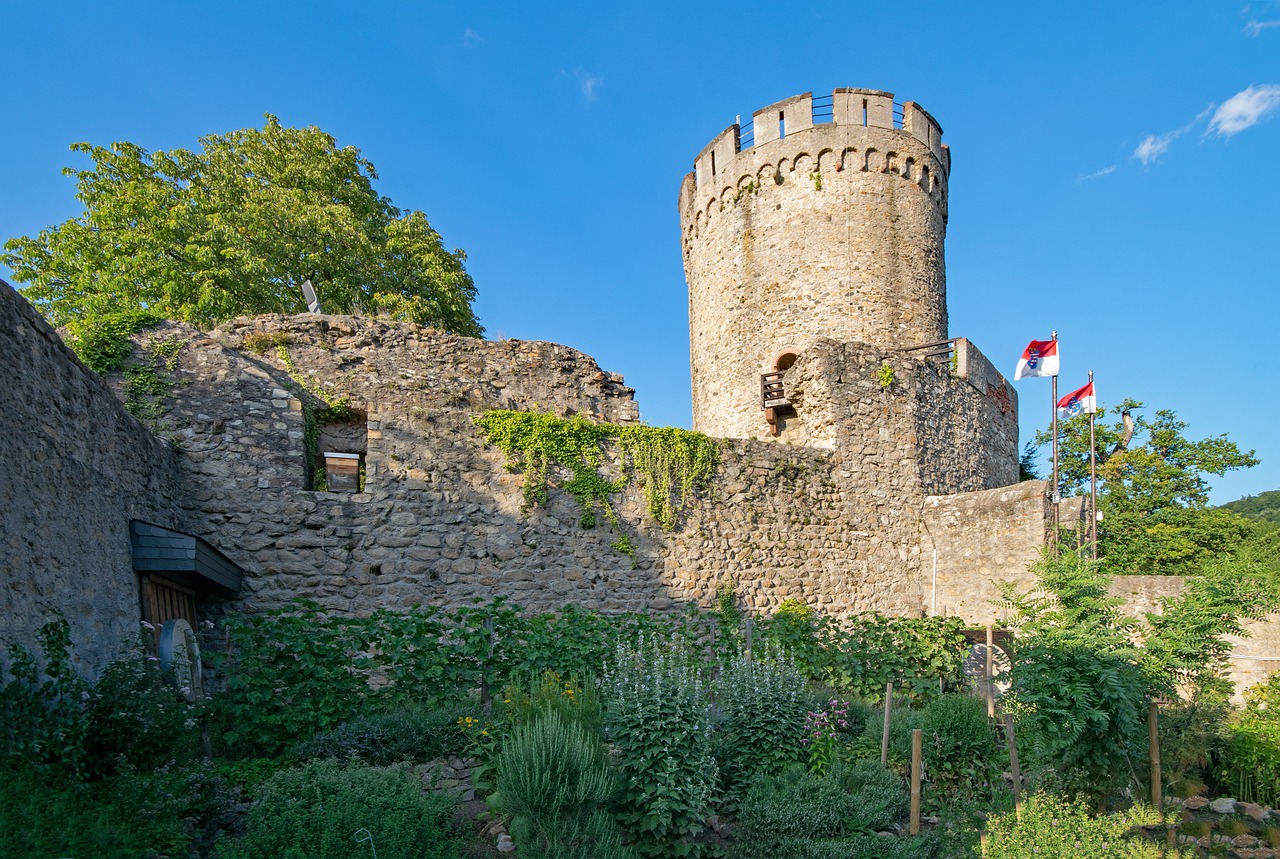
(988, 685)
(917, 737)
(884, 743)
(486, 700)
(1016, 771)
(1157, 788)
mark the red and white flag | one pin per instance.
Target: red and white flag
(1078, 402)
(1040, 358)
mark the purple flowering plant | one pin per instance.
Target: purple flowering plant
(822, 731)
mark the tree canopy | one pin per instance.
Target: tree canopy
(1153, 489)
(235, 228)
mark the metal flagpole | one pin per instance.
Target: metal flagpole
(1056, 498)
(1093, 475)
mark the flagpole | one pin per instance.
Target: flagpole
(1093, 474)
(1053, 404)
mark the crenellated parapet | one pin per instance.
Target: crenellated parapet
(862, 130)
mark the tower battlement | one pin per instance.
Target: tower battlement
(859, 129)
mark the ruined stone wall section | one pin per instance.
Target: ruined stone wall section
(1255, 657)
(76, 468)
(441, 521)
(834, 230)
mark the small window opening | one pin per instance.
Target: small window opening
(782, 125)
(713, 162)
(864, 113)
(784, 362)
(336, 448)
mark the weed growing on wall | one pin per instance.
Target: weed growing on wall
(885, 376)
(335, 410)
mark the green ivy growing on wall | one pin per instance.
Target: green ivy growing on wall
(102, 342)
(671, 464)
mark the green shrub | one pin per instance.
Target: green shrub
(1051, 828)
(316, 810)
(802, 805)
(657, 720)
(409, 733)
(42, 721)
(859, 655)
(880, 795)
(122, 817)
(1250, 767)
(135, 718)
(761, 707)
(795, 804)
(849, 847)
(960, 747)
(291, 673)
(576, 703)
(552, 778)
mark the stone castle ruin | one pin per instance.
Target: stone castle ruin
(870, 460)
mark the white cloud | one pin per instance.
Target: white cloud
(589, 84)
(470, 37)
(1245, 109)
(1255, 28)
(1098, 174)
(1155, 145)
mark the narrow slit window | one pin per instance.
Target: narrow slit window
(864, 113)
(782, 125)
(713, 162)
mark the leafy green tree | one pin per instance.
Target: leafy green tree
(1078, 688)
(235, 228)
(1187, 641)
(1153, 488)
(1144, 464)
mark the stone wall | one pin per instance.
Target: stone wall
(834, 230)
(441, 520)
(1254, 657)
(75, 467)
(981, 538)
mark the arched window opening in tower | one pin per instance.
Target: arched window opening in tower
(773, 396)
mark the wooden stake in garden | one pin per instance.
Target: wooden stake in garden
(917, 738)
(884, 743)
(1015, 770)
(987, 685)
(1157, 789)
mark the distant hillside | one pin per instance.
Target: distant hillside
(1265, 507)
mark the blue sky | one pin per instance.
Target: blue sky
(1113, 162)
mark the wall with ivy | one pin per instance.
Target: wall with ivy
(462, 501)
(75, 467)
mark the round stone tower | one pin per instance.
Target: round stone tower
(828, 221)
